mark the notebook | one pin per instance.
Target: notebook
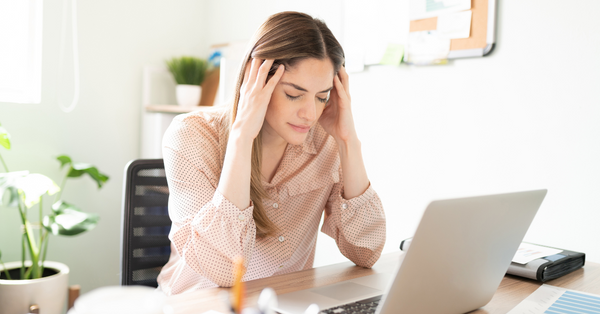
(458, 256)
(537, 262)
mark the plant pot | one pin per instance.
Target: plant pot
(48, 293)
(188, 95)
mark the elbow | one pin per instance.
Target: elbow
(225, 283)
(363, 257)
(368, 258)
(222, 279)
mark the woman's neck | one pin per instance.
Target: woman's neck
(271, 141)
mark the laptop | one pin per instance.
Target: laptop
(456, 260)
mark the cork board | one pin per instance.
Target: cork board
(479, 27)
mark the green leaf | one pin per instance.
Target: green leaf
(8, 185)
(29, 187)
(4, 138)
(64, 160)
(188, 70)
(79, 169)
(68, 220)
(7, 182)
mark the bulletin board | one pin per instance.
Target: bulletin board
(483, 28)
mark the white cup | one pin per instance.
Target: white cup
(120, 300)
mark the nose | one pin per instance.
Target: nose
(308, 111)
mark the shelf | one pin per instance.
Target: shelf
(174, 108)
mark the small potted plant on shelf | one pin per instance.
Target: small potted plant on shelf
(35, 280)
(189, 73)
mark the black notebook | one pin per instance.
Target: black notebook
(559, 263)
(548, 267)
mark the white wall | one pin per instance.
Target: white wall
(116, 39)
(525, 117)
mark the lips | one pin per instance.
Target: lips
(300, 128)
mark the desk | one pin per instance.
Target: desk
(512, 289)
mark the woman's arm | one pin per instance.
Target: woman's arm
(357, 225)
(210, 207)
(337, 120)
(356, 181)
(255, 95)
(354, 214)
(207, 229)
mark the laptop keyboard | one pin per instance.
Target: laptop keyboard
(367, 306)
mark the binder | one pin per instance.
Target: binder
(549, 267)
(541, 269)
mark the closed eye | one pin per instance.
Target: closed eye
(292, 98)
(326, 99)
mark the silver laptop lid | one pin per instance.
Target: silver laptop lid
(460, 252)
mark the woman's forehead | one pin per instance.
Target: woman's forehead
(311, 74)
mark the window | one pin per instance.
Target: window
(20, 51)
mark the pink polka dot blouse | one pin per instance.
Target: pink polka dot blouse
(209, 232)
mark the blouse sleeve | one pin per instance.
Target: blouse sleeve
(208, 231)
(357, 225)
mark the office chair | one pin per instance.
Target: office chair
(145, 246)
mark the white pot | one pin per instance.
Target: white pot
(188, 95)
(49, 293)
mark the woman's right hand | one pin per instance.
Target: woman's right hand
(255, 95)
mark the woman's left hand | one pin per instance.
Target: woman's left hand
(337, 117)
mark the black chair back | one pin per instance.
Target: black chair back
(145, 224)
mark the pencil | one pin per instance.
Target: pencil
(238, 289)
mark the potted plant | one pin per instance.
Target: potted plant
(33, 280)
(189, 73)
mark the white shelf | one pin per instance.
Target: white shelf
(174, 108)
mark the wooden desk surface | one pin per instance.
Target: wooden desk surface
(511, 292)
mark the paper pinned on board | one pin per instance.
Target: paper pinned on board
(527, 252)
(427, 47)
(455, 25)
(422, 9)
(393, 54)
(385, 54)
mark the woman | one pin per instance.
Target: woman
(254, 180)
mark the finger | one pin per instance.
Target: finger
(246, 73)
(263, 72)
(325, 115)
(339, 88)
(253, 71)
(345, 79)
(333, 95)
(275, 78)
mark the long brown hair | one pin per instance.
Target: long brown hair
(286, 37)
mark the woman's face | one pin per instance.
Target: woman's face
(298, 100)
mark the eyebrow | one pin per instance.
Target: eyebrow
(304, 89)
